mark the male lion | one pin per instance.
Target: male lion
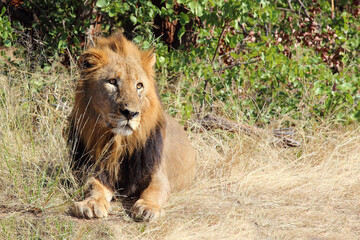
(120, 138)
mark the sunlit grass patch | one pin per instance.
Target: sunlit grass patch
(247, 187)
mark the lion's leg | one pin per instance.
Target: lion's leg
(97, 202)
(153, 198)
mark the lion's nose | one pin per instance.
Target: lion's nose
(129, 114)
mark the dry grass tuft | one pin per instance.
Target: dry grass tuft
(246, 187)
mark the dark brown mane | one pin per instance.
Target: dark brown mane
(134, 169)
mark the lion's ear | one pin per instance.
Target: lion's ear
(149, 58)
(152, 59)
(89, 60)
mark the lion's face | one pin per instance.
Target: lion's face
(121, 93)
(119, 87)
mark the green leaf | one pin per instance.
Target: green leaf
(357, 115)
(184, 18)
(349, 98)
(102, 3)
(280, 47)
(262, 57)
(346, 87)
(112, 12)
(133, 19)
(319, 91)
(7, 43)
(161, 59)
(181, 32)
(196, 8)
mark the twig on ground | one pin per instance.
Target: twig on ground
(211, 121)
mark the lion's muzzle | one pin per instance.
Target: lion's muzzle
(124, 124)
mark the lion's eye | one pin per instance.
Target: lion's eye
(139, 86)
(112, 81)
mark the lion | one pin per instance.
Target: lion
(120, 138)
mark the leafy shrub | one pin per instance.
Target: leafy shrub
(6, 31)
(256, 60)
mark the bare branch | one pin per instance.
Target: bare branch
(253, 60)
(286, 9)
(213, 59)
(303, 6)
(226, 24)
(291, 8)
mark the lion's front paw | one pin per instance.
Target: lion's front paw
(91, 208)
(146, 210)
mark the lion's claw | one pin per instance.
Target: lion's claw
(146, 210)
(91, 208)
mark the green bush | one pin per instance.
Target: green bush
(254, 60)
(6, 31)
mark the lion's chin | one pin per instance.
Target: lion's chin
(124, 131)
(123, 127)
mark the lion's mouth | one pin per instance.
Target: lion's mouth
(123, 127)
(124, 130)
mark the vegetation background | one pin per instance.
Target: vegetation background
(270, 64)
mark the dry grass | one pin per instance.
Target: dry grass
(247, 187)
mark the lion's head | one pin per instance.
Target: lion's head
(117, 87)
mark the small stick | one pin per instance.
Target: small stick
(211, 121)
